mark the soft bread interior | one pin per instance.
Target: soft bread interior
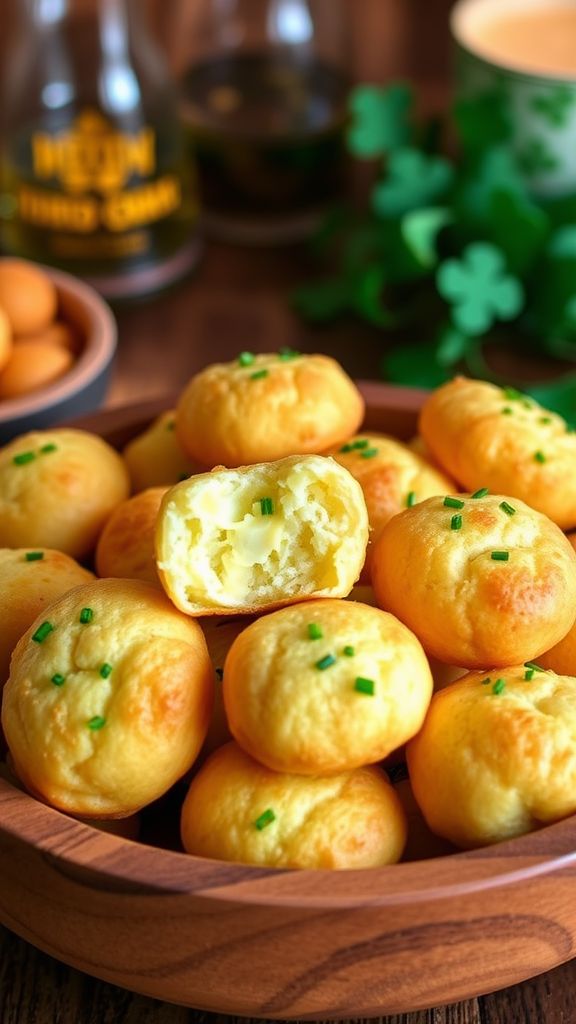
(217, 548)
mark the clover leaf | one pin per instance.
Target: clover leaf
(414, 179)
(518, 227)
(479, 289)
(420, 230)
(380, 119)
(483, 120)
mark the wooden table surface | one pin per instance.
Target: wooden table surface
(237, 300)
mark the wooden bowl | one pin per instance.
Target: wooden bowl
(277, 943)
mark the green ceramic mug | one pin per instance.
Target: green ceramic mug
(520, 56)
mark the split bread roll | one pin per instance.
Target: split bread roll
(57, 489)
(496, 757)
(481, 581)
(325, 686)
(256, 538)
(262, 408)
(237, 810)
(108, 700)
(487, 436)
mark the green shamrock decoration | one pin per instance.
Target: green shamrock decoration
(380, 119)
(555, 105)
(479, 289)
(518, 227)
(420, 230)
(414, 179)
(483, 121)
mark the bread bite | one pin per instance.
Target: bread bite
(30, 580)
(262, 408)
(487, 436)
(57, 489)
(126, 545)
(325, 686)
(155, 457)
(238, 810)
(255, 538)
(496, 757)
(481, 579)
(108, 699)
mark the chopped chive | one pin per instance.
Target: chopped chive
(366, 686)
(481, 493)
(34, 556)
(349, 651)
(170, 425)
(499, 556)
(456, 522)
(86, 615)
(105, 670)
(315, 631)
(220, 674)
(42, 632)
(499, 686)
(539, 457)
(47, 448)
(265, 819)
(246, 358)
(347, 447)
(360, 444)
(453, 502)
(23, 458)
(507, 508)
(325, 662)
(545, 420)
(259, 375)
(487, 681)
(506, 411)
(97, 722)
(58, 679)
(266, 506)
(513, 393)
(529, 674)
(286, 353)
(411, 499)
(368, 453)
(534, 666)
(527, 404)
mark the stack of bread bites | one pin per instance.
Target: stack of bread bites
(224, 640)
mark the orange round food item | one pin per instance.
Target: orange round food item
(5, 339)
(108, 699)
(240, 811)
(480, 580)
(29, 582)
(325, 686)
(155, 458)
(126, 545)
(562, 657)
(496, 756)
(27, 296)
(33, 365)
(57, 489)
(487, 436)
(59, 333)
(266, 407)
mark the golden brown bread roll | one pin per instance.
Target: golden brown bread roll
(562, 657)
(496, 757)
(126, 545)
(27, 296)
(238, 810)
(29, 582)
(57, 489)
(33, 365)
(480, 580)
(325, 686)
(108, 700)
(251, 539)
(266, 407)
(155, 458)
(487, 436)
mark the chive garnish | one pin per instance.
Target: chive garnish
(529, 674)
(507, 411)
(23, 458)
(507, 508)
(314, 631)
(539, 457)
(219, 673)
(513, 393)
(545, 420)
(347, 447)
(266, 506)
(246, 358)
(487, 681)
(453, 502)
(499, 686)
(34, 556)
(97, 722)
(362, 443)
(534, 666)
(456, 522)
(368, 453)
(286, 353)
(47, 448)
(86, 615)
(499, 556)
(170, 425)
(349, 651)
(58, 679)
(411, 499)
(481, 493)
(105, 670)
(265, 819)
(364, 686)
(42, 632)
(259, 375)
(325, 662)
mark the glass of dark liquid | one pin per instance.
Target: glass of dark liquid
(264, 104)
